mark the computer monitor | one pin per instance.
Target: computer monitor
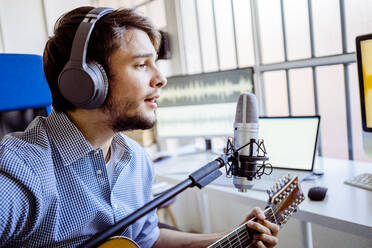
(364, 62)
(290, 142)
(201, 105)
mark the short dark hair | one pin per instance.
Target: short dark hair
(106, 37)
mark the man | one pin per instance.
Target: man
(73, 174)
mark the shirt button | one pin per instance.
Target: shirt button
(96, 152)
(115, 205)
(99, 172)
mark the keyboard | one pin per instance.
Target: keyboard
(362, 181)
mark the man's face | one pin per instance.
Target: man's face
(135, 84)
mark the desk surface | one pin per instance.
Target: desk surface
(345, 208)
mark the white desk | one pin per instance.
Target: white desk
(345, 208)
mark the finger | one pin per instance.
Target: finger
(274, 228)
(268, 240)
(258, 227)
(259, 244)
(256, 212)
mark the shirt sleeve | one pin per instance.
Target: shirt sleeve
(150, 231)
(18, 205)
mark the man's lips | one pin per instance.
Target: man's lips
(152, 100)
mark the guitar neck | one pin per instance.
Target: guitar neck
(242, 236)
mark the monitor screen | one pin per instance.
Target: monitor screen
(201, 105)
(290, 142)
(364, 60)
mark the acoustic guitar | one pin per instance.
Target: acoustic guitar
(284, 198)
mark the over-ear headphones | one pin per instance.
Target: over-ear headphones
(83, 84)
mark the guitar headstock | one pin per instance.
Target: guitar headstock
(284, 198)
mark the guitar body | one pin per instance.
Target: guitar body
(119, 242)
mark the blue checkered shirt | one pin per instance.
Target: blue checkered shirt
(54, 189)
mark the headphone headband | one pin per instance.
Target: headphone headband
(82, 36)
(83, 84)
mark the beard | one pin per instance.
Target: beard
(126, 116)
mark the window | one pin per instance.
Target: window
(327, 28)
(271, 31)
(296, 16)
(302, 89)
(276, 93)
(331, 95)
(302, 53)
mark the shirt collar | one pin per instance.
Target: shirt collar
(121, 140)
(70, 142)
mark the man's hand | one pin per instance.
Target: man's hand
(268, 232)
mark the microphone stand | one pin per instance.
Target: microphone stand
(199, 178)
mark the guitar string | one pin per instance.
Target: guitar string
(244, 228)
(240, 232)
(238, 240)
(227, 241)
(271, 218)
(243, 242)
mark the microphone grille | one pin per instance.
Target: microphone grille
(246, 109)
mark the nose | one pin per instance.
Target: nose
(158, 80)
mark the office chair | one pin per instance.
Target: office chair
(24, 92)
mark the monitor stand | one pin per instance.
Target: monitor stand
(207, 149)
(187, 150)
(208, 146)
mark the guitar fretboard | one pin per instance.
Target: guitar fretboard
(242, 236)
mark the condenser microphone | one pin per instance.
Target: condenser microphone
(245, 137)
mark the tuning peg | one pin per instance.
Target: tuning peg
(283, 179)
(270, 193)
(284, 221)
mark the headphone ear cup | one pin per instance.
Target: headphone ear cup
(99, 77)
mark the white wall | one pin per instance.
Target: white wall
(55, 8)
(26, 24)
(23, 26)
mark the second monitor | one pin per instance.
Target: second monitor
(201, 105)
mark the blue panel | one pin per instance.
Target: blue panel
(22, 82)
